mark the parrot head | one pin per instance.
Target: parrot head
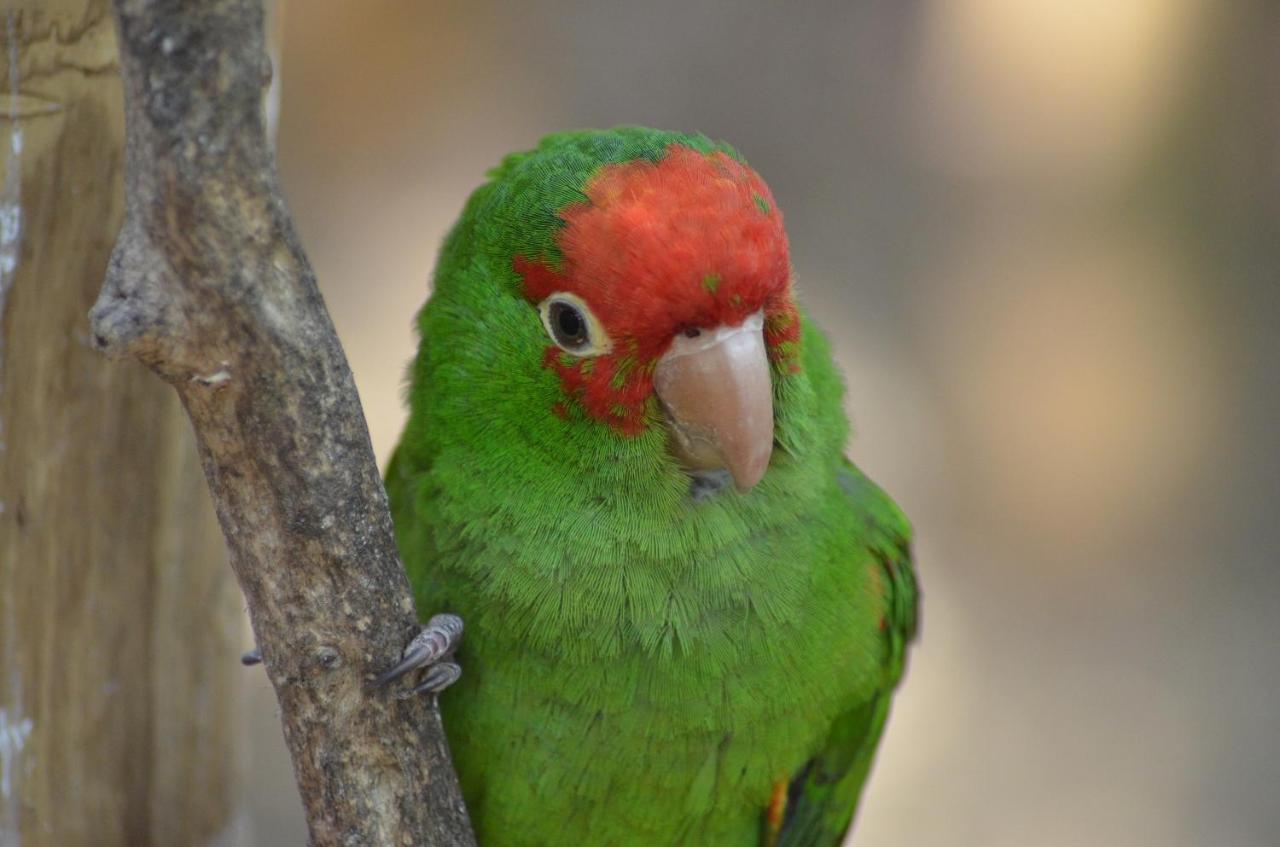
(654, 269)
(669, 273)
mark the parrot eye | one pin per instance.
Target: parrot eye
(571, 325)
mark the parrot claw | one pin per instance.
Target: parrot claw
(437, 678)
(251, 658)
(432, 649)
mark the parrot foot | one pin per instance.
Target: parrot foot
(433, 649)
(437, 678)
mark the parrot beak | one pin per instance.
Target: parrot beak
(718, 396)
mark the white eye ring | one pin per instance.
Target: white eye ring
(569, 321)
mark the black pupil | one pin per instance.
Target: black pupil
(570, 327)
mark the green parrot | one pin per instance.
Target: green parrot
(686, 611)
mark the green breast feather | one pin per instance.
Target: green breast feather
(641, 666)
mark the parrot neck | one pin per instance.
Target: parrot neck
(562, 520)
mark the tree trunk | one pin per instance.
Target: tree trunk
(208, 286)
(119, 621)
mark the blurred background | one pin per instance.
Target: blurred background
(1043, 236)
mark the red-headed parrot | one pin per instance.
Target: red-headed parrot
(686, 611)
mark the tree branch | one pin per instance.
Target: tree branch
(209, 287)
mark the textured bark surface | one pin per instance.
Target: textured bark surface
(119, 621)
(208, 286)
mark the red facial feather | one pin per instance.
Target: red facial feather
(692, 241)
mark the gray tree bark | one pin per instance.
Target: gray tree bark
(209, 287)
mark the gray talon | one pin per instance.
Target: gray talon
(437, 678)
(253, 657)
(433, 649)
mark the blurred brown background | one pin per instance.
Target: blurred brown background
(1043, 237)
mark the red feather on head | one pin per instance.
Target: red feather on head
(693, 240)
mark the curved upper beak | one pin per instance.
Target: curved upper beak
(718, 397)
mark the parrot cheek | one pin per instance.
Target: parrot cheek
(717, 393)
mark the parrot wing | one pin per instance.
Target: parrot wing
(413, 534)
(822, 797)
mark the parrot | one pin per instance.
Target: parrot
(686, 611)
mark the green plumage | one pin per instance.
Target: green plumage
(640, 667)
